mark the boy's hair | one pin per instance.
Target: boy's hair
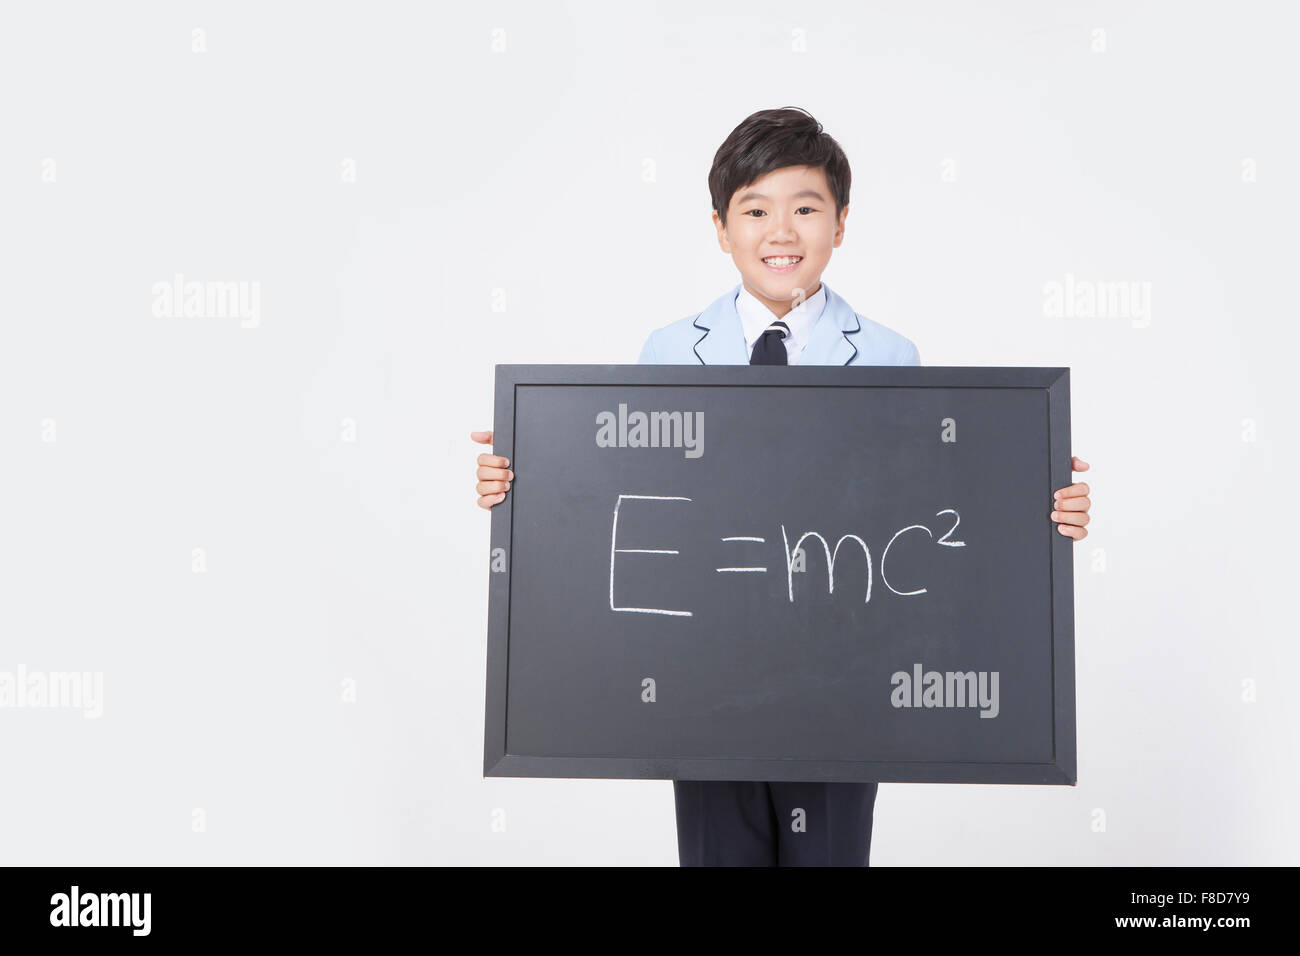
(773, 139)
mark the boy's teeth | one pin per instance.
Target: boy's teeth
(782, 261)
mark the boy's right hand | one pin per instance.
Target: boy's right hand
(493, 476)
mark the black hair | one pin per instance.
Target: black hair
(773, 139)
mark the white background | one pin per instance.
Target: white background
(569, 172)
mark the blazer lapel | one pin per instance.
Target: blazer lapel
(722, 337)
(830, 342)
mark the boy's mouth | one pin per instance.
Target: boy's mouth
(782, 263)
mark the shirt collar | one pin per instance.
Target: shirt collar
(755, 316)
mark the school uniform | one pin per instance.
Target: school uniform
(747, 823)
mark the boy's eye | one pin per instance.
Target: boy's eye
(761, 212)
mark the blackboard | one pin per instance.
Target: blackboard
(660, 602)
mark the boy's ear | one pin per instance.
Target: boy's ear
(839, 230)
(723, 242)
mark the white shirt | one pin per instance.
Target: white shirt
(755, 317)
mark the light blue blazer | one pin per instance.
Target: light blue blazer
(716, 337)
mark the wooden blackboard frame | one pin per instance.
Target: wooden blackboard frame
(1060, 770)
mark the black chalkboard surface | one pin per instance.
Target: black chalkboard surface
(661, 595)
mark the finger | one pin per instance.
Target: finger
(1071, 517)
(1071, 491)
(491, 487)
(1078, 534)
(493, 461)
(504, 474)
(1078, 464)
(483, 438)
(1064, 504)
(487, 501)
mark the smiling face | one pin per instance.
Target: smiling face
(780, 231)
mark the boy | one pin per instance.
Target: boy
(780, 191)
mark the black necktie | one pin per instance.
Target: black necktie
(769, 349)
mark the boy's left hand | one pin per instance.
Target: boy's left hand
(1071, 505)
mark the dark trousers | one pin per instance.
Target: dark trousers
(743, 823)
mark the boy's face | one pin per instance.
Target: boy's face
(789, 212)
